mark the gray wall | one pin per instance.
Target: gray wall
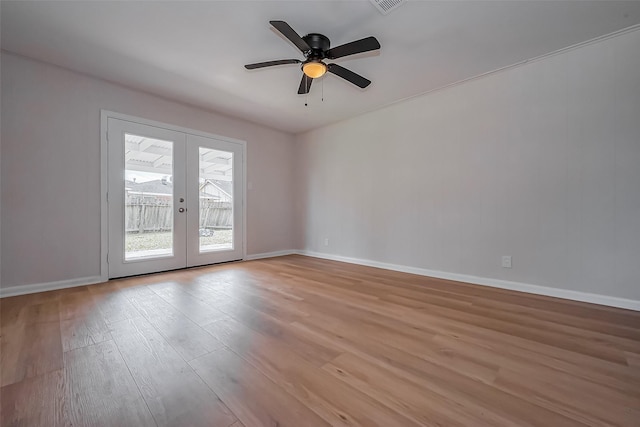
(541, 162)
(51, 170)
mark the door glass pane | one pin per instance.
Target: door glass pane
(216, 200)
(148, 189)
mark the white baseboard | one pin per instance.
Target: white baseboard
(271, 254)
(484, 281)
(63, 284)
(48, 286)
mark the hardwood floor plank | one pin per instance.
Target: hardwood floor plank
(81, 332)
(114, 307)
(457, 289)
(517, 360)
(79, 304)
(586, 323)
(81, 320)
(298, 341)
(191, 306)
(336, 402)
(585, 403)
(411, 339)
(270, 303)
(30, 349)
(633, 360)
(421, 405)
(543, 353)
(446, 382)
(42, 312)
(10, 352)
(35, 402)
(11, 308)
(185, 336)
(253, 398)
(420, 323)
(590, 343)
(100, 389)
(174, 393)
(453, 317)
(14, 309)
(498, 344)
(283, 333)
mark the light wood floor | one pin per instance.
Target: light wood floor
(297, 341)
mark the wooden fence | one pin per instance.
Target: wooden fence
(154, 214)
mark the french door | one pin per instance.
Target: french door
(175, 199)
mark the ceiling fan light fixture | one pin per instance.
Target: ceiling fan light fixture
(316, 47)
(314, 69)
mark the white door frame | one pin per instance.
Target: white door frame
(105, 115)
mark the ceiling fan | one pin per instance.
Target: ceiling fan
(316, 48)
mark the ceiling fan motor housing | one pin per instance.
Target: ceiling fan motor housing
(318, 43)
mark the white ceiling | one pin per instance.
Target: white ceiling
(194, 52)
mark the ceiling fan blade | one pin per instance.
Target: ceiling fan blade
(271, 63)
(358, 46)
(290, 33)
(305, 84)
(348, 75)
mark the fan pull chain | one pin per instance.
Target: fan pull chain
(306, 95)
(322, 89)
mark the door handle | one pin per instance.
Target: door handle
(181, 210)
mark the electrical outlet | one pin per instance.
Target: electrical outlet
(326, 241)
(506, 261)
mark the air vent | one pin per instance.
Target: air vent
(386, 6)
